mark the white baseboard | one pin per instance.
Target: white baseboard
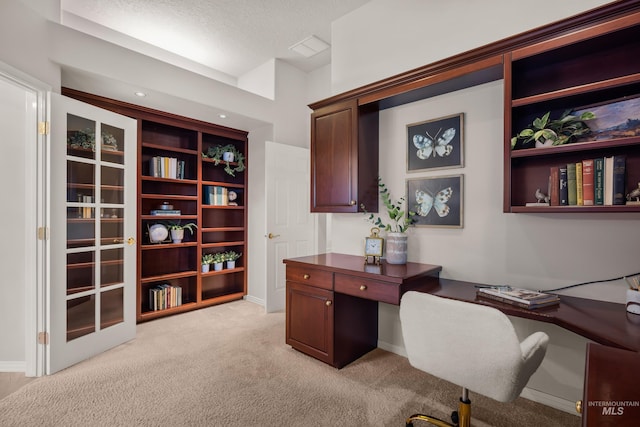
(254, 300)
(528, 393)
(13, 366)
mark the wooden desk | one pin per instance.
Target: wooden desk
(611, 387)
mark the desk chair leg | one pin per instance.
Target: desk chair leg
(460, 418)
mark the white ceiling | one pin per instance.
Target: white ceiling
(229, 36)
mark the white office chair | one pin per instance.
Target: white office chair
(471, 345)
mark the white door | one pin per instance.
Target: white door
(291, 227)
(91, 291)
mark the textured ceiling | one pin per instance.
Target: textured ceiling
(230, 36)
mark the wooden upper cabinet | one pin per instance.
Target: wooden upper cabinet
(344, 158)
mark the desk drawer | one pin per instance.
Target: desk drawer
(311, 276)
(369, 289)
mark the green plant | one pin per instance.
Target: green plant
(87, 139)
(177, 226)
(565, 129)
(399, 220)
(218, 257)
(231, 256)
(215, 153)
(207, 259)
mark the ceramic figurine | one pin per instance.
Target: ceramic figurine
(635, 194)
(541, 197)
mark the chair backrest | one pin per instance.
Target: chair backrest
(471, 345)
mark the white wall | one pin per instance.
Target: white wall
(537, 251)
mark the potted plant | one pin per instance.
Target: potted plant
(398, 222)
(231, 258)
(206, 261)
(547, 132)
(177, 231)
(226, 154)
(218, 261)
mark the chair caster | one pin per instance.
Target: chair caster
(454, 417)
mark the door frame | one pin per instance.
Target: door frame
(35, 286)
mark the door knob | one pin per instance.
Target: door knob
(327, 303)
(272, 236)
(130, 241)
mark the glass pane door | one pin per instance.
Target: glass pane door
(95, 309)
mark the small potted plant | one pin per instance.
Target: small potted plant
(231, 258)
(218, 261)
(396, 227)
(206, 261)
(177, 231)
(226, 154)
(544, 132)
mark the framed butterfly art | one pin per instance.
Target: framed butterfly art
(436, 201)
(436, 144)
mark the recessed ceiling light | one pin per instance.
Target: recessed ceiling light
(309, 46)
(140, 94)
(222, 116)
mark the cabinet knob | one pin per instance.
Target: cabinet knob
(327, 303)
(352, 203)
(306, 276)
(363, 287)
(579, 406)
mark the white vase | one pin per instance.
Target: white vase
(228, 156)
(205, 268)
(396, 248)
(217, 266)
(177, 235)
(231, 264)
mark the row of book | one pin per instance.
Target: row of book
(166, 167)
(591, 182)
(216, 195)
(165, 296)
(523, 298)
(165, 212)
(85, 211)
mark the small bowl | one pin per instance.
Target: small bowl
(165, 206)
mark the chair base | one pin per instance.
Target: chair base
(460, 418)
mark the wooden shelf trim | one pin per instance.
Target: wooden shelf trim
(223, 271)
(576, 209)
(167, 196)
(221, 207)
(172, 149)
(167, 245)
(154, 314)
(576, 147)
(577, 90)
(218, 229)
(162, 277)
(219, 244)
(223, 184)
(171, 180)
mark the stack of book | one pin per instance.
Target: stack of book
(166, 167)
(166, 212)
(165, 296)
(591, 182)
(523, 298)
(216, 195)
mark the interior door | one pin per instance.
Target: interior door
(291, 227)
(91, 291)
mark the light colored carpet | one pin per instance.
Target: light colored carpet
(228, 365)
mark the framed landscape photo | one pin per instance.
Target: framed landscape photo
(436, 144)
(437, 201)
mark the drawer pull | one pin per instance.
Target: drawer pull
(306, 276)
(327, 303)
(363, 287)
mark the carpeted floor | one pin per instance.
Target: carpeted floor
(228, 365)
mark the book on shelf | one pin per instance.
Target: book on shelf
(608, 181)
(166, 167)
(598, 181)
(572, 195)
(161, 212)
(587, 183)
(564, 189)
(164, 296)
(215, 195)
(554, 186)
(519, 297)
(579, 189)
(619, 166)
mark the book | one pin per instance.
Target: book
(572, 195)
(619, 166)
(588, 193)
(519, 297)
(554, 186)
(579, 193)
(598, 185)
(562, 183)
(608, 181)
(165, 212)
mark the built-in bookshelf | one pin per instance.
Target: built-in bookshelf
(175, 176)
(582, 70)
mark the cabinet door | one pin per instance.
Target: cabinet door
(310, 320)
(92, 281)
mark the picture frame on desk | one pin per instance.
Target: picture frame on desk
(436, 144)
(437, 201)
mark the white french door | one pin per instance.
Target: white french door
(91, 291)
